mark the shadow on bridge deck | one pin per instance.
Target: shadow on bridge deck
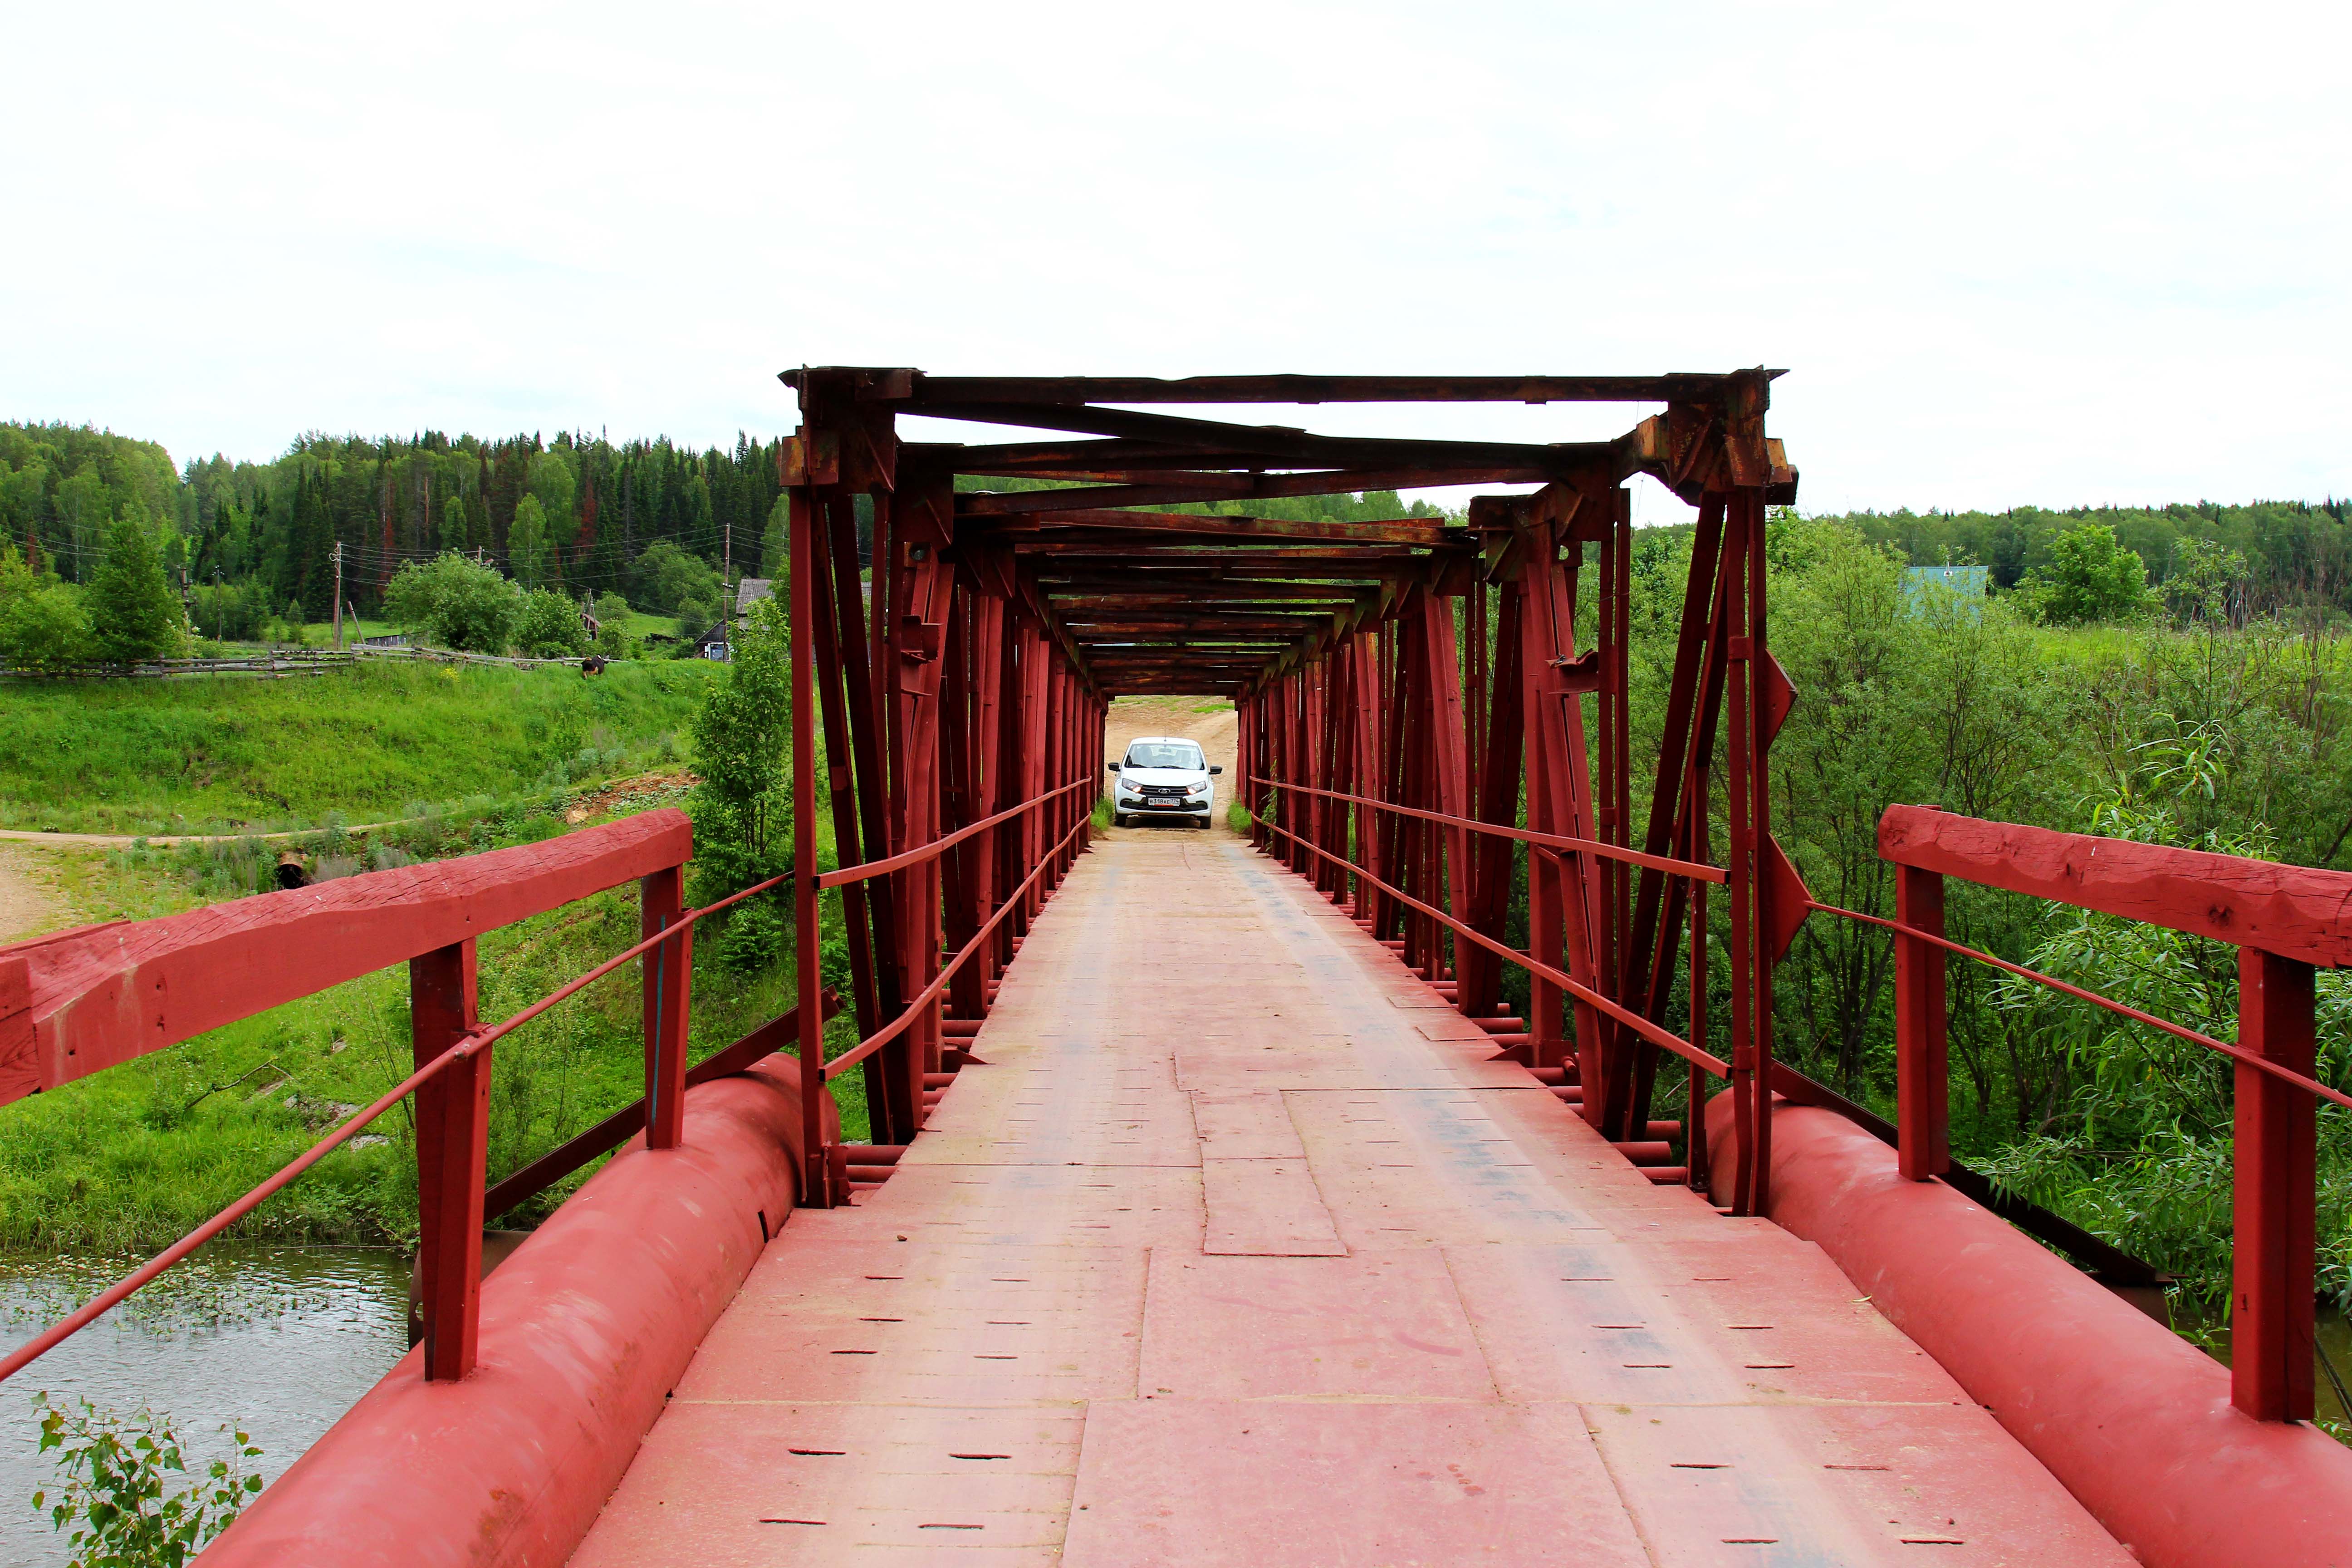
(1239, 1248)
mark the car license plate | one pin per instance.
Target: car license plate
(1163, 804)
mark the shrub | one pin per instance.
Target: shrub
(549, 626)
(457, 601)
(45, 629)
(2091, 577)
(127, 1488)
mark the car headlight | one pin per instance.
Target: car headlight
(1201, 788)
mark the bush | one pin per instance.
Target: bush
(45, 629)
(455, 600)
(128, 1488)
(549, 626)
(753, 938)
(2091, 577)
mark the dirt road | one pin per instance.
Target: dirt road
(1217, 732)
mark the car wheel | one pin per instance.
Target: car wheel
(1118, 819)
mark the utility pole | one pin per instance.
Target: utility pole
(726, 592)
(338, 595)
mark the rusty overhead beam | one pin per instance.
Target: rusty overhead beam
(1426, 531)
(914, 389)
(1264, 487)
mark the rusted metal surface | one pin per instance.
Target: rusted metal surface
(1243, 1243)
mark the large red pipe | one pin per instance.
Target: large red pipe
(584, 1331)
(2132, 1419)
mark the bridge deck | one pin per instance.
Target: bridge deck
(1239, 1249)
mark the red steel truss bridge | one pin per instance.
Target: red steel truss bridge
(1408, 1177)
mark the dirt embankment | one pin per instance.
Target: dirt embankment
(29, 902)
(1217, 732)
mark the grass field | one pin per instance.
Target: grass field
(133, 1157)
(228, 755)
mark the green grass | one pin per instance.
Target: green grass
(135, 1156)
(229, 754)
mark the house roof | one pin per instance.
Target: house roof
(749, 591)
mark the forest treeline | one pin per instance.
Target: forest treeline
(579, 514)
(2274, 553)
(574, 514)
(652, 521)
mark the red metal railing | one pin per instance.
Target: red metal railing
(2285, 921)
(825, 1173)
(452, 1048)
(1700, 875)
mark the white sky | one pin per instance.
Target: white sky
(2070, 253)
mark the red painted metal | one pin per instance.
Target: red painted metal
(2295, 912)
(2272, 1286)
(106, 994)
(584, 1331)
(2136, 1422)
(667, 983)
(1922, 1079)
(453, 1121)
(1397, 686)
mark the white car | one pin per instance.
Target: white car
(1163, 776)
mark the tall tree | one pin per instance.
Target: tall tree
(131, 608)
(530, 551)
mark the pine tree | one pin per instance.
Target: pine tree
(528, 545)
(132, 606)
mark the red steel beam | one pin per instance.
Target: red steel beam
(94, 997)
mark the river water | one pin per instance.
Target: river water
(278, 1339)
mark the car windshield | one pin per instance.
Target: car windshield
(1164, 754)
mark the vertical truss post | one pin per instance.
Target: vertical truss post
(1678, 799)
(669, 975)
(985, 612)
(816, 1187)
(1034, 674)
(1316, 758)
(1559, 794)
(1922, 1079)
(452, 1116)
(830, 652)
(1363, 723)
(1388, 914)
(1741, 882)
(1503, 737)
(1449, 847)
(1696, 1153)
(2273, 1223)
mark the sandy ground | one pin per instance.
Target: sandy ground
(29, 903)
(1217, 733)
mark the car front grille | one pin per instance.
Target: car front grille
(1171, 792)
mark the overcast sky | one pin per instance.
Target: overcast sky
(2061, 253)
